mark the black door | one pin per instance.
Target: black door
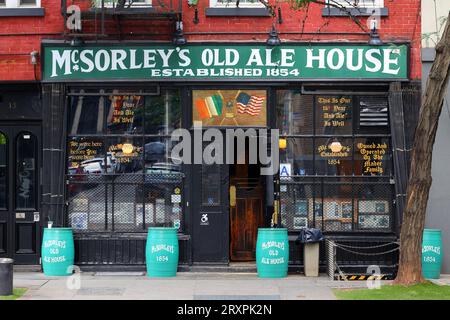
(210, 213)
(19, 193)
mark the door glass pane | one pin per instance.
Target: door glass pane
(26, 155)
(3, 170)
(211, 185)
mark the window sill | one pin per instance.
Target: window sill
(363, 12)
(237, 12)
(22, 12)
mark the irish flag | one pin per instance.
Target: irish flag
(209, 107)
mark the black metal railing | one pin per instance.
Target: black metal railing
(119, 18)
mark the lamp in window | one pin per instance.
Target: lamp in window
(374, 36)
(127, 148)
(282, 143)
(335, 146)
(273, 40)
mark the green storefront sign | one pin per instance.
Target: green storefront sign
(218, 62)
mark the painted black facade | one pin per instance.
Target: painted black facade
(109, 245)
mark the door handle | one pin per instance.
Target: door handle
(232, 196)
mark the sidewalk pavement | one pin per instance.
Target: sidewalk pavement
(443, 280)
(186, 286)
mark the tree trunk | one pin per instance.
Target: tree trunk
(410, 268)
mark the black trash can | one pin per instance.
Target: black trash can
(6, 276)
(310, 238)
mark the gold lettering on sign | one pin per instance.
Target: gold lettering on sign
(335, 110)
(124, 109)
(325, 152)
(80, 151)
(373, 155)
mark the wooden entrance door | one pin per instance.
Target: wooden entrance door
(246, 210)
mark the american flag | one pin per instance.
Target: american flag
(249, 104)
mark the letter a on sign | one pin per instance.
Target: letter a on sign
(285, 170)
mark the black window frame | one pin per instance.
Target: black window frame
(319, 182)
(107, 179)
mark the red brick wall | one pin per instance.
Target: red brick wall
(402, 24)
(13, 64)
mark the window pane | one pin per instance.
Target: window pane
(2, 3)
(26, 155)
(373, 157)
(373, 115)
(334, 156)
(294, 112)
(87, 207)
(158, 151)
(299, 153)
(296, 206)
(337, 207)
(241, 2)
(86, 156)
(86, 115)
(211, 185)
(163, 112)
(3, 171)
(162, 200)
(360, 3)
(374, 206)
(334, 115)
(126, 155)
(125, 114)
(27, 2)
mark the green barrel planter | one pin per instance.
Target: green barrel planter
(162, 252)
(272, 253)
(58, 252)
(431, 253)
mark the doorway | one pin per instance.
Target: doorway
(246, 205)
(20, 193)
(246, 210)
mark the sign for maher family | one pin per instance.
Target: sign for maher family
(221, 62)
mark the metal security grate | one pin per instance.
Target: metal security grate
(124, 203)
(373, 112)
(337, 206)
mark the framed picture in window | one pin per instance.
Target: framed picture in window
(346, 226)
(301, 207)
(373, 206)
(347, 209)
(79, 220)
(374, 221)
(381, 207)
(318, 209)
(331, 209)
(300, 223)
(333, 225)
